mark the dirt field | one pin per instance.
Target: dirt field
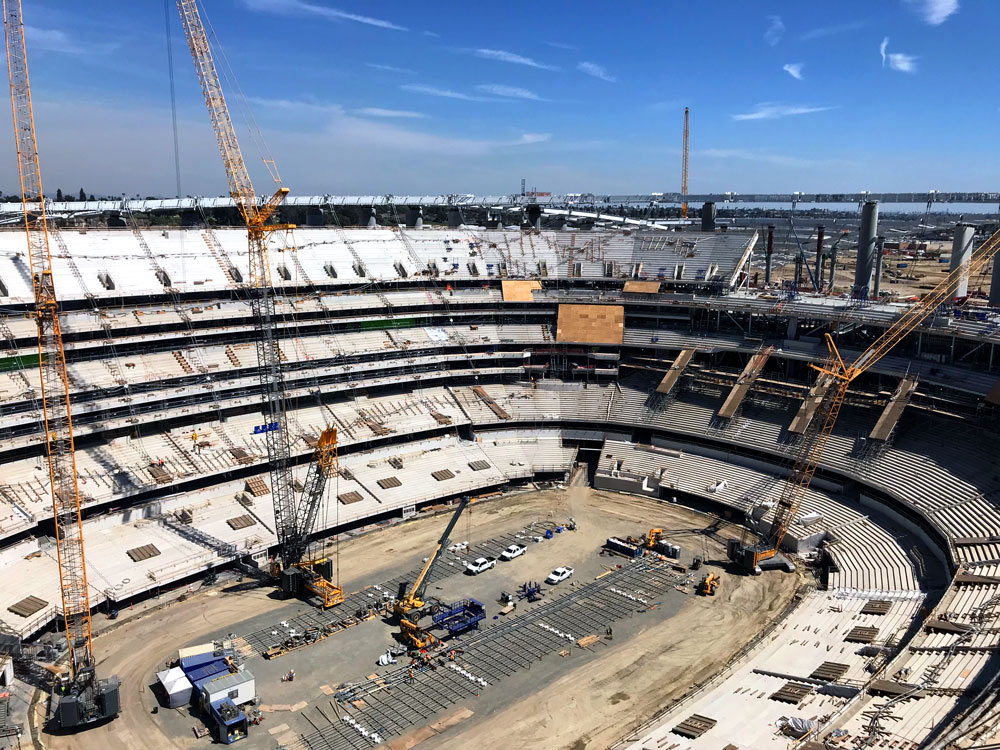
(593, 701)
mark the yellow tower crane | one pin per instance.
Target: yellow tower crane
(684, 166)
(293, 521)
(750, 553)
(79, 698)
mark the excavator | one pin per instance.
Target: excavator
(709, 584)
(653, 538)
(413, 599)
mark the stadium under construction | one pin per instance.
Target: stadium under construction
(584, 471)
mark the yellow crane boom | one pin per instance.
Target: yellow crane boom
(814, 440)
(289, 526)
(82, 699)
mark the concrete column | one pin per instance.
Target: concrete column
(455, 218)
(961, 254)
(768, 253)
(708, 217)
(533, 215)
(412, 214)
(995, 284)
(419, 223)
(314, 217)
(819, 258)
(866, 250)
(371, 219)
(879, 254)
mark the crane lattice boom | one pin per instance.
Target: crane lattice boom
(817, 434)
(288, 526)
(51, 358)
(684, 165)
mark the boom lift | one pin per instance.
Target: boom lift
(750, 553)
(414, 598)
(293, 521)
(79, 698)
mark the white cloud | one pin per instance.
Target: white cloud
(56, 40)
(300, 104)
(903, 63)
(301, 7)
(823, 31)
(934, 12)
(508, 92)
(897, 60)
(432, 34)
(775, 30)
(597, 71)
(529, 138)
(510, 57)
(561, 45)
(773, 110)
(794, 70)
(380, 112)
(782, 160)
(390, 68)
(420, 88)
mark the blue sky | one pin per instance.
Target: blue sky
(362, 97)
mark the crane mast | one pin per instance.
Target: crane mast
(817, 434)
(76, 697)
(684, 165)
(258, 289)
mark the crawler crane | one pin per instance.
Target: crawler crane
(750, 553)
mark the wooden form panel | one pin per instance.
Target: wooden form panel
(519, 291)
(642, 287)
(590, 324)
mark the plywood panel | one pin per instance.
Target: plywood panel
(642, 287)
(591, 324)
(519, 291)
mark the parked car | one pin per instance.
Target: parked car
(514, 550)
(558, 575)
(478, 565)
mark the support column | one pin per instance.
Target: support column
(819, 258)
(995, 284)
(770, 251)
(961, 254)
(879, 253)
(866, 250)
(708, 214)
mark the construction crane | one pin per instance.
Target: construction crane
(314, 575)
(79, 698)
(750, 554)
(413, 599)
(292, 520)
(684, 166)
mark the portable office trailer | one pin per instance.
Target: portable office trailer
(239, 687)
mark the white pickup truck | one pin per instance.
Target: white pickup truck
(514, 550)
(478, 565)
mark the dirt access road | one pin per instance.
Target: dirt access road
(588, 707)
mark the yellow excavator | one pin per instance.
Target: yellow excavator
(709, 584)
(414, 636)
(653, 538)
(408, 600)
